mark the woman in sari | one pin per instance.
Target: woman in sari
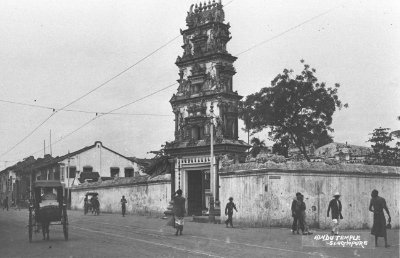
(179, 211)
(377, 205)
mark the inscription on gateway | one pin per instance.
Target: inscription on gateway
(274, 177)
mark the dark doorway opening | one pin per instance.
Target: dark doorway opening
(195, 192)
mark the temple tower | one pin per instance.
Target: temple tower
(205, 97)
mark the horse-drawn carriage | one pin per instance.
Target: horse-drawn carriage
(48, 207)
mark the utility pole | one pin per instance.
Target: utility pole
(212, 148)
(68, 180)
(51, 151)
(30, 186)
(211, 212)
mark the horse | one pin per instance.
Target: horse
(46, 215)
(46, 230)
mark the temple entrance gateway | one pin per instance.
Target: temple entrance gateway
(195, 192)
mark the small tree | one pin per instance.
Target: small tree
(244, 114)
(257, 146)
(281, 147)
(294, 106)
(380, 139)
(384, 154)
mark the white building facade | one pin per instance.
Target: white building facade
(91, 163)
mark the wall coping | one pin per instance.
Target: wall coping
(255, 172)
(309, 167)
(124, 182)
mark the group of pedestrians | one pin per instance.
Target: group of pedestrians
(377, 206)
(93, 205)
(179, 211)
(299, 215)
(6, 204)
(298, 208)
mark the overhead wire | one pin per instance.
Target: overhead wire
(247, 50)
(28, 135)
(240, 53)
(78, 110)
(119, 74)
(91, 91)
(86, 94)
(107, 113)
(288, 30)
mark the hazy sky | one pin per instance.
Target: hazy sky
(52, 52)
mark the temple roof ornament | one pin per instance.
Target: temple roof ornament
(203, 13)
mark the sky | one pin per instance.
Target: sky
(54, 52)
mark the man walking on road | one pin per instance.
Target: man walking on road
(336, 206)
(229, 211)
(123, 205)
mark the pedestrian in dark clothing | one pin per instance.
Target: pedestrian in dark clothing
(86, 205)
(96, 205)
(302, 218)
(377, 205)
(336, 206)
(123, 205)
(6, 203)
(296, 213)
(92, 204)
(229, 211)
(179, 211)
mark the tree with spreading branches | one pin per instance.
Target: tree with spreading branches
(297, 107)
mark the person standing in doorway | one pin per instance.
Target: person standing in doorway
(179, 211)
(229, 211)
(123, 205)
(296, 213)
(336, 206)
(377, 205)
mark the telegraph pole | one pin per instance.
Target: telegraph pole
(211, 212)
(51, 151)
(68, 180)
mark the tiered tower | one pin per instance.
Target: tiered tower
(205, 93)
(205, 85)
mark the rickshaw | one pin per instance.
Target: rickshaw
(89, 205)
(47, 207)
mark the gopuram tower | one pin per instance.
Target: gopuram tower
(205, 107)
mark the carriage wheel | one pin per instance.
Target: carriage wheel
(30, 226)
(65, 224)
